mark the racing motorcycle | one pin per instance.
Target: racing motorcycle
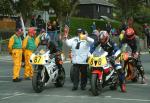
(129, 65)
(45, 70)
(102, 73)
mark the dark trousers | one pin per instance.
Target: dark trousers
(148, 41)
(77, 68)
(140, 67)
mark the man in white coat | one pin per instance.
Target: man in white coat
(80, 46)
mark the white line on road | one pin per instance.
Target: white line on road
(91, 97)
(14, 95)
(125, 99)
(5, 81)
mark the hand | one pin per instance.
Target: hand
(66, 31)
(10, 53)
(112, 59)
(135, 55)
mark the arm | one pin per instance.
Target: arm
(24, 44)
(37, 40)
(90, 40)
(69, 42)
(93, 47)
(11, 42)
(117, 51)
(138, 43)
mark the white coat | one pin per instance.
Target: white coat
(79, 56)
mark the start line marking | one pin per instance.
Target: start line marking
(82, 97)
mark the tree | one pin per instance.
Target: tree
(25, 7)
(128, 8)
(5, 7)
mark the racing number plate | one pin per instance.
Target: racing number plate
(38, 59)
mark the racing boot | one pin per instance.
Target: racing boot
(122, 82)
(142, 75)
(141, 71)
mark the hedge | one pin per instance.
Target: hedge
(86, 23)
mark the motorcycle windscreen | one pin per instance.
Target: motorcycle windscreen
(38, 57)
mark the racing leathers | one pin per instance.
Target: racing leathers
(135, 47)
(113, 53)
(54, 50)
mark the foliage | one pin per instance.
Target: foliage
(25, 7)
(5, 7)
(127, 8)
(86, 24)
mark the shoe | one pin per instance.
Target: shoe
(74, 88)
(143, 81)
(123, 87)
(17, 80)
(83, 88)
(90, 89)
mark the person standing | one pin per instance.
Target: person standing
(80, 46)
(33, 22)
(147, 33)
(15, 49)
(29, 46)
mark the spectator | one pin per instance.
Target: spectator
(113, 32)
(39, 22)
(124, 26)
(18, 22)
(49, 26)
(147, 33)
(93, 26)
(33, 23)
(108, 27)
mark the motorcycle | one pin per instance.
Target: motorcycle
(129, 65)
(45, 70)
(102, 73)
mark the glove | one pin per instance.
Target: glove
(10, 53)
(135, 55)
(112, 59)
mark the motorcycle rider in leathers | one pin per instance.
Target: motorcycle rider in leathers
(113, 53)
(44, 39)
(133, 41)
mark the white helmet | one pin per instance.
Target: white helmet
(103, 37)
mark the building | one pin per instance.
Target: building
(94, 9)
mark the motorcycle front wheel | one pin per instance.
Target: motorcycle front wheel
(37, 83)
(96, 87)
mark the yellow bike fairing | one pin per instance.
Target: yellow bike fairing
(97, 61)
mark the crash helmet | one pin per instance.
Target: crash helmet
(130, 33)
(103, 37)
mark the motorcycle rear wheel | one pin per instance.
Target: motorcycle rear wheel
(131, 72)
(96, 87)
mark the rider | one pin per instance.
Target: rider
(113, 52)
(133, 41)
(44, 39)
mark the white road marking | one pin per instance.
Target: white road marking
(91, 97)
(5, 81)
(125, 99)
(14, 95)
